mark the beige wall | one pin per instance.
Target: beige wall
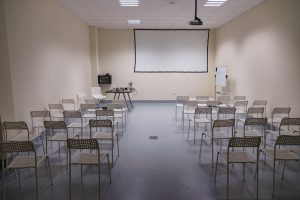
(6, 97)
(261, 49)
(116, 56)
(49, 54)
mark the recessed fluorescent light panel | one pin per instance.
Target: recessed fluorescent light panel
(215, 3)
(129, 2)
(134, 21)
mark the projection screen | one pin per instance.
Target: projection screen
(171, 50)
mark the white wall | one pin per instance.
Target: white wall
(116, 56)
(261, 49)
(6, 97)
(49, 54)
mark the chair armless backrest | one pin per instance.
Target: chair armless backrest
(202, 98)
(44, 114)
(259, 103)
(56, 125)
(113, 106)
(244, 142)
(281, 111)
(287, 121)
(223, 123)
(56, 106)
(241, 103)
(19, 125)
(105, 113)
(182, 99)
(203, 111)
(262, 122)
(1, 131)
(224, 99)
(85, 107)
(290, 140)
(15, 147)
(256, 111)
(67, 103)
(91, 101)
(192, 104)
(213, 103)
(83, 144)
(226, 111)
(101, 123)
(239, 98)
(72, 115)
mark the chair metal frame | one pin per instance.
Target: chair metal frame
(286, 122)
(252, 112)
(217, 124)
(72, 115)
(261, 103)
(283, 154)
(109, 135)
(277, 114)
(232, 156)
(18, 162)
(56, 111)
(207, 111)
(117, 108)
(66, 102)
(43, 115)
(84, 144)
(180, 103)
(188, 109)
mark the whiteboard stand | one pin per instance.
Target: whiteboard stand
(221, 80)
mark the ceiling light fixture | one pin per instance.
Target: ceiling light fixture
(197, 20)
(129, 2)
(215, 3)
(134, 21)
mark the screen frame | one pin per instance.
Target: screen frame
(208, 33)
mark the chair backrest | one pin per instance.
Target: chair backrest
(91, 101)
(287, 140)
(202, 98)
(14, 147)
(203, 110)
(100, 123)
(256, 111)
(83, 144)
(55, 106)
(259, 103)
(226, 112)
(191, 104)
(223, 123)
(68, 104)
(244, 142)
(224, 99)
(96, 90)
(256, 121)
(81, 97)
(239, 98)
(85, 107)
(212, 103)
(112, 106)
(55, 125)
(72, 114)
(1, 131)
(104, 113)
(181, 99)
(283, 112)
(241, 103)
(287, 121)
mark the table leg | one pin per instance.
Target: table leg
(126, 101)
(129, 100)
(119, 96)
(115, 95)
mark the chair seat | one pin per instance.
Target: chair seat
(275, 120)
(104, 136)
(238, 157)
(217, 135)
(26, 162)
(276, 133)
(223, 105)
(24, 137)
(57, 115)
(200, 120)
(88, 159)
(77, 125)
(99, 96)
(89, 115)
(202, 105)
(283, 154)
(249, 133)
(62, 136)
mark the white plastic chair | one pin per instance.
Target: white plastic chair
(96, 93)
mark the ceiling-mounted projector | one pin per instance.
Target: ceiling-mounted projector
(196, 20)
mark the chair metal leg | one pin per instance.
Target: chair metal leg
(216, 166)
(201, 145)
(273, 191)
(244, 165)
(257, 179)
(109, 170)
(81, 176)
(49, 170)
(282, 176)
(212, 153)
(189, 129)
(195, 132)
(99, 180)
(118, 145)
(43, 144)
(36, 183)
(227, 184)
(3, 178)
(112, 153)
(70, 173)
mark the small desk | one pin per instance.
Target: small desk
(119, 91)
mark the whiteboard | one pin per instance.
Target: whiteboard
(221, 74)
(171, 50)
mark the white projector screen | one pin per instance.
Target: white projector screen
(171, 50)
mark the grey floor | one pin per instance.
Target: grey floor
(166, 168)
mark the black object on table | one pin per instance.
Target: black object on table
(118, 91)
